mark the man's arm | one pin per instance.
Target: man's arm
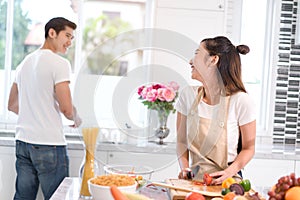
(64, 99)
(13, 101)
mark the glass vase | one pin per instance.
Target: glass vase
(162, 131)
(89, 167)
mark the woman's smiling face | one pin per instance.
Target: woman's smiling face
(200, 63)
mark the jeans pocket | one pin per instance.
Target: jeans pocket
(44, 158)
(20, 148)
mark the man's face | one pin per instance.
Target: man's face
(63, 40)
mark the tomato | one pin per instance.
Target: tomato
(207, 179)
(194, 196)
(227, 182)
(246, 185)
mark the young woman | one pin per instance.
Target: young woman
(214, 117)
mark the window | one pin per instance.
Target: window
(102, 69)
(97, 22)
(3, 76)
(22, 31)
(254, 64)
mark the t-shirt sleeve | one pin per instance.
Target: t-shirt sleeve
(180, 105)
(62, 72)
(246, 109)
(185, 100)
(17, 75)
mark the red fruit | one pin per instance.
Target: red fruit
(194, 196)
(207, 179)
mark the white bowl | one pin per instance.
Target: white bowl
(130, 170)
(100, 192)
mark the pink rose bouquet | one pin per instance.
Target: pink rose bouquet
(159, 96)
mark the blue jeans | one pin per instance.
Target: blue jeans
(39, 164)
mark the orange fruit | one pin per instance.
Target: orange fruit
(229, 196)
(293, 193)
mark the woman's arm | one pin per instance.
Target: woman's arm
(248, 132)
(181, 148)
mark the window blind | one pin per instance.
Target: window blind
(286, 132)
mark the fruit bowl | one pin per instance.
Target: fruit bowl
(99, 186)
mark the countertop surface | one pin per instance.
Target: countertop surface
(70, 187)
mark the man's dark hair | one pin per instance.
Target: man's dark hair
(58, 24)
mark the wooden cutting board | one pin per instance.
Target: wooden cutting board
(180, 195)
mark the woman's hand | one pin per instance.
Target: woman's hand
(186, 173)
(219, 177)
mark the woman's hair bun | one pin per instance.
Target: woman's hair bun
(243, 49)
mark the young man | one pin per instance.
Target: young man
(39, 94)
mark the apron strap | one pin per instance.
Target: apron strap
(217, 126)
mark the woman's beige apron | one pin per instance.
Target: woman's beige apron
(207, 139)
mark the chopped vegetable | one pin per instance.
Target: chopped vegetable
(246, 185)
(207, 179)
(117, 194)
(237, 189)
(227, 182)
(225, 191)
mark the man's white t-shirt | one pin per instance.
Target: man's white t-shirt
(39, 120)
(241, 111)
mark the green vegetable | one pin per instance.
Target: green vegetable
(225, 191)
(246, 185)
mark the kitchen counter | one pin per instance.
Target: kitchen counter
(258, 170)
(76, 143)
(67, 190)
(70, 187)
(263, 151)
